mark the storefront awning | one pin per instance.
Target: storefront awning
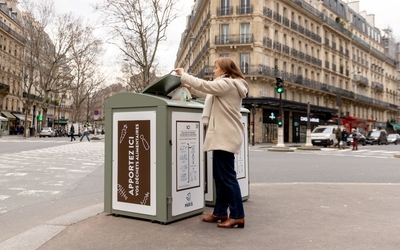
(8, 115)
(3, 119)
(395, 126)
(20, 117)
(61, 121)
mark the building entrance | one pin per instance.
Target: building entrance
(270, 132)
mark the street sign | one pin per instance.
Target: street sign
(96, 117)
(96, 112)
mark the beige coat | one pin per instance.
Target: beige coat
(225, 129)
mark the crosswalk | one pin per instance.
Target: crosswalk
(33, 176)
(361, 152)
(364, 153)
(4, 141)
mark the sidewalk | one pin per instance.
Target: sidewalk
(278, 216)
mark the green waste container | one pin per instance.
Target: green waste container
(154, 166)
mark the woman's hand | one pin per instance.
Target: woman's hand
(186, 86)
(179, 71)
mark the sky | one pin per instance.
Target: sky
(167, 50)
(386, 14)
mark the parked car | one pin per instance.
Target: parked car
(47, 131)
(361, 139)
(393, 138)
(377, 137)
(324, 136)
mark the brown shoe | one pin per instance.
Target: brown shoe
(229, 223)
(214, 218)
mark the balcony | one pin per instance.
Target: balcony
(286, 21)
(361, 80)
(244, 10)
(4, 89)
(277, 46)
(267, 42)
(286, 49)
(326, 41)
(293, 25)
(267, 12)
(300, 29)
(377, 86)
(263, 70)
(32, 97)
(277, 17)
(234, 39)
(225, 11)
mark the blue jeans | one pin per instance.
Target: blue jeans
(226, 185)
(85, 134)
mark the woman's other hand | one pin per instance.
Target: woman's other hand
(179, 71)
(186, 86)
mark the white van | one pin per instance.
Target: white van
(324, 136)
(78, 127)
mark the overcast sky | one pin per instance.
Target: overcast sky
(386, 14)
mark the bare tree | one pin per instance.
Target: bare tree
(137, 28)
(85, 66)
(51, 38)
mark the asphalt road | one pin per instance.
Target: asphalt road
(307, 199)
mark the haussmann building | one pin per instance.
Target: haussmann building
(329, 54)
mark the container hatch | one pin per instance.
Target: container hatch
(164, 85)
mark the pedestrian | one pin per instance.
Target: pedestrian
(344, 138)
(338, 135)
(224, 135)
(85, 133)
(72, 132)
(355, 139)
(21, 130)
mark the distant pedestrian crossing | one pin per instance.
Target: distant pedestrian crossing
(361, 152)
(365, 153)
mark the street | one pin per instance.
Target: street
(328, 199)
(44, 171)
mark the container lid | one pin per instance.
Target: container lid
(164, 85)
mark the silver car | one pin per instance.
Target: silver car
(47, 131)
(393, 138)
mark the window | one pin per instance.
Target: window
(245, 33)
(244, 63)
(225, 34)
(266, 60)
(225, 6)
(245, 7)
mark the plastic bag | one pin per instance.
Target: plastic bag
(181, 94)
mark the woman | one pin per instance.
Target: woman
(355, 139)
(85, 133)
(225, 133)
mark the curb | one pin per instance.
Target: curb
(37, 236)
(281, 149)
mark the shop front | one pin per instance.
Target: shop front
(269, 126)
(10, 126)
(300, 124)
(294, 118)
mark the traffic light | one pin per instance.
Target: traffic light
(279, 121)
(40, 117)
(279, 85)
